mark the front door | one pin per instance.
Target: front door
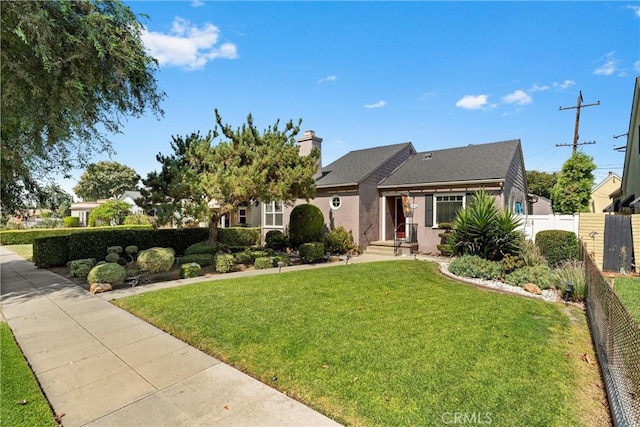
(399, 219)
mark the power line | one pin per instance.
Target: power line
(576, 134)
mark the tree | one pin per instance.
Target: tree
(541, 183)
(250, 166)
(572, 191)
(55, 199)
(71, 72)
(106, 179)
(112, 212)
(167, 195)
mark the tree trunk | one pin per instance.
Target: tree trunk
(213, 227)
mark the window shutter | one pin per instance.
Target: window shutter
(428, 210)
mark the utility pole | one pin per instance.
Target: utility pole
(576, 134)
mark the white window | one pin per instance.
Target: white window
(335, 202)
(447, 207)
(242, 216)
(273, 214)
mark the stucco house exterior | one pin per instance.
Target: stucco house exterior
(392, 194)
(82, 210)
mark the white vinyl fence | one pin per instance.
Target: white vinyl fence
(532, 224)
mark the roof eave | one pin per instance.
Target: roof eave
(445, 184)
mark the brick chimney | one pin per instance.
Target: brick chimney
(307, 142)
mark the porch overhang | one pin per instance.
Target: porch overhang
(436, 185)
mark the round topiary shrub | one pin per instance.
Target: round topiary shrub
(189, 270)
(156, 260)
(312, 252)
(541, 275)
(262, 263)
(224, 263)
(114, 250)
(83, 271)
(276, 240)
(306, 224)
(131, 250)
(113, 274)
(557, 246)
(76, 265)
(112, 257)
(475, 267)
(339, 241)
(204, 260)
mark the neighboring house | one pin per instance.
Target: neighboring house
(392, 193)
(601, 192)
(627, 200)
(539, 205)
(82, 210)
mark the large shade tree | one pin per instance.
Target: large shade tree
(541, 183)
(71, 72)
(244, 167)
(572, 191)
(106, 179)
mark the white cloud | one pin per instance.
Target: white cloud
(197, 3)
(378, 104)
(636, 66)
(536, 88)
(427, 95)
(332, 78)
(609, 65)
(187, 46)
(518, 97)
(636, 10)
(472, 102)
(564, 85)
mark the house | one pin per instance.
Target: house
(82, 210)
(539, 205)
(391, 194)
(601, 192)
(627, 199)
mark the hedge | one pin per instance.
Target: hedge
(93, 242)
(27, 237)
(557, 246)
(240, 236)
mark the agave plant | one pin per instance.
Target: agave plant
(484, 230)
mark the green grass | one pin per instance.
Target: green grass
(17, 385)
(628, 289)
(389, 343)
(25, 251)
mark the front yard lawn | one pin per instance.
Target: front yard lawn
(21, 400)
(25, 251)
(628, 289)
(392, 343)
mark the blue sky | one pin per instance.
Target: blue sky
(363, 74)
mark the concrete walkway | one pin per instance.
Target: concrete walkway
(101, 366)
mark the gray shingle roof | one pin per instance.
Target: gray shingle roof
(355, 166)
(470, 163)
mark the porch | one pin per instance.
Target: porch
(391, 248)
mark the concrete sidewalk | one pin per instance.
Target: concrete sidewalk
(101, 366)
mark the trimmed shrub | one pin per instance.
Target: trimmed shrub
(475, 267)
(112, 257)
(83, 271)
(262, 263)
(240, 236)
(306, 225)
(51, 251)
(312, 252)
(190, 270)
(286, 261)
(113, 274)
(71, 221)
(205, 248)
(339, 241)
(224, 263)
(139, 219)
(276, 240)
(156, 260)
(114, 250)
(557, 246)
(131, 249)
(133, 272)
(204, 260)
(541, 275)
(245, 257)
(573, 272)
(122, 261)
(76, 265)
